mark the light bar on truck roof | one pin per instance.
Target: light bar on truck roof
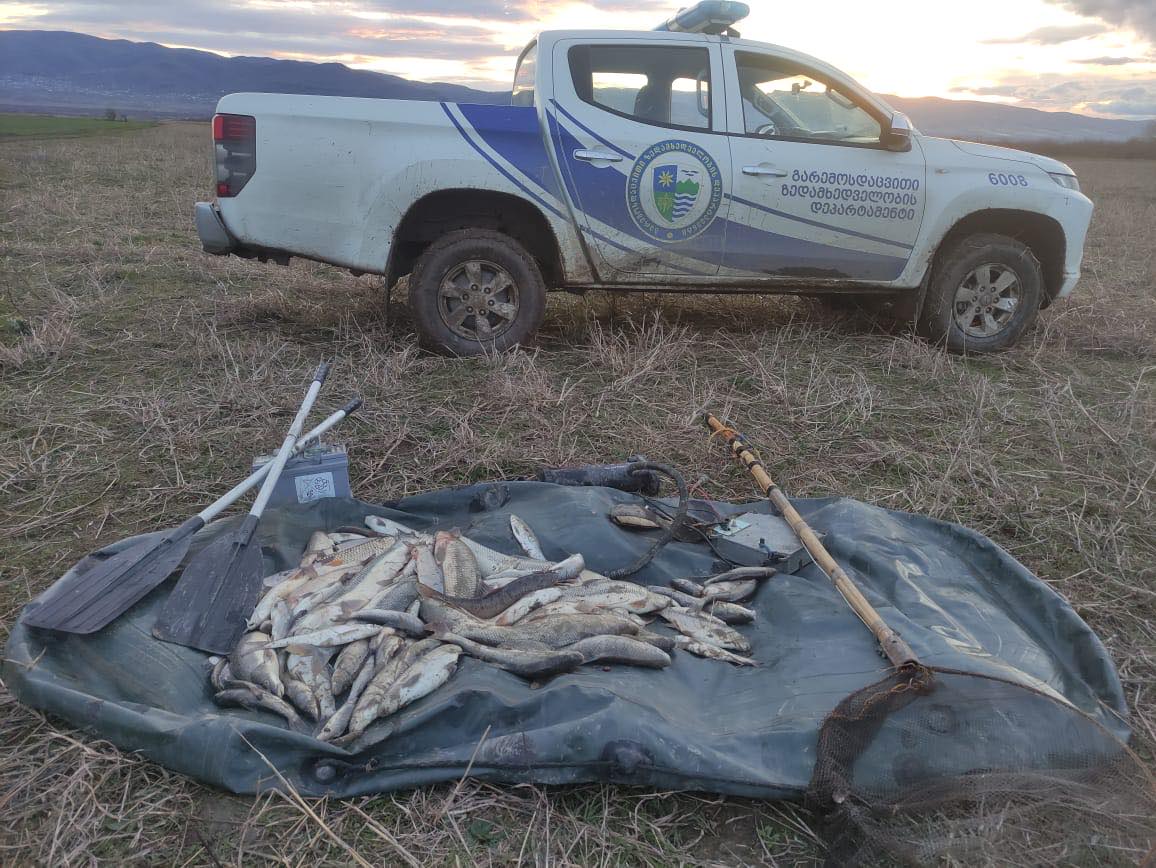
(709, 16)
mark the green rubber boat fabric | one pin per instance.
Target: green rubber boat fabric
(956, 597)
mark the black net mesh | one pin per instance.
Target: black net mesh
(933, 766)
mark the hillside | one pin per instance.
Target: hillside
(63, 72)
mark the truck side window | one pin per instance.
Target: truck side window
(523, 91)
(782, 100)
(657, 84)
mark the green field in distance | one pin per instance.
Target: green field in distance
(49, 126)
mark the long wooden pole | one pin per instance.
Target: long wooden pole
(896, 650)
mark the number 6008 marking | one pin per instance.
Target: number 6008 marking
(999, 179)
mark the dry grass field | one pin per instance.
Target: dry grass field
(137, 376)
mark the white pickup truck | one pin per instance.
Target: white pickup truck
(690, 161)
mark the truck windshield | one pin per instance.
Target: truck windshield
(523, 91)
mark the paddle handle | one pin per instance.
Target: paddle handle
(282, 456)
(254, 479)
(893, 645)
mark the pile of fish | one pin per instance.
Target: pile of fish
(376, 618)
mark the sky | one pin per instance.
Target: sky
(1097, 57)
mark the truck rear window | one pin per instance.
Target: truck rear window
(657, 84)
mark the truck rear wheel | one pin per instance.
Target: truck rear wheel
(476, 290)
(984, 294)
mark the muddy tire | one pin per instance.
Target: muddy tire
(984, 293)
(474, 291)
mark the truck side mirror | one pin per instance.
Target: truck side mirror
(897, 136)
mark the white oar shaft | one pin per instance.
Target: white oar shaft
(282, 456)
(254, 479)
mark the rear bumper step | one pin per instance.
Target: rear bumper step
(215, 238)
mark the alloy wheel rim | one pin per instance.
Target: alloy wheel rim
(986, 300)
(478, 300)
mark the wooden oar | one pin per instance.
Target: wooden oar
(896, 650)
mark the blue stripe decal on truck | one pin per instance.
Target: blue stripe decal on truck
(587, 129)
(515, 181)
(513, 133)
(509, 177)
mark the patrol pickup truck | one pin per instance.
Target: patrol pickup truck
(683, 159)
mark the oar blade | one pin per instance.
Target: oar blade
(89, 601)
(218, 590)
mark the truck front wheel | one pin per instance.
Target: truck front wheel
(985, 292)
(475, 290)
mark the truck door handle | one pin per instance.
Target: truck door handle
(596, 156)
(764, 171)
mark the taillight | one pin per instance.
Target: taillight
(235, 152)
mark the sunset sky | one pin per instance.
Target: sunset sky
(1092, 56)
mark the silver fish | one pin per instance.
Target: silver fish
(738, 573)
(620, 649)
(339, 720)
(310, 666)
(330, 637)
(221, 674)
(429, 571)
(554, 632)
(526, 538)
(279, 591)
(463, 578)
(425, 674)
(494, 603)
(687, 586)
(526, 605)
(702, 649)
(279, 620)
(705, 628)
(732, 592)
(342, 537)
(567, 569)
(381, 524)
(348, 664)
(302, 698)
(381, 571)
(730, 613)
(609, 594)
(396, 596)
(248, 695)
(530, 665)
(254, 660)
(403, 622)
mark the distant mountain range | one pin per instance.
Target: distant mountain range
(72, 73)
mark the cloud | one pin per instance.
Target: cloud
(469, 37)
(992, 90)
(1054, 35)
(1139, 15)
(1110, 61)
(1089, 94)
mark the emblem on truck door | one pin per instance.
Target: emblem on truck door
(674, 190)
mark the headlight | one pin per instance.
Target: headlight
(1071, 182)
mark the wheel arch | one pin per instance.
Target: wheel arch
(451, 209)
(1043, 235)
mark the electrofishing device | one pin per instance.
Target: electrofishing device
(320, 471)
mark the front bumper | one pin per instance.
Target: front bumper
(215, 238)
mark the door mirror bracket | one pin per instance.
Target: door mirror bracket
(897, 136)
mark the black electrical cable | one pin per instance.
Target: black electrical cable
(679, 515)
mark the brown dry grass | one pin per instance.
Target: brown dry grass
(136, 375)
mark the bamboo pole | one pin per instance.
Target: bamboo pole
(896, 650)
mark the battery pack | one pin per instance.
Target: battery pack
(320, 471)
